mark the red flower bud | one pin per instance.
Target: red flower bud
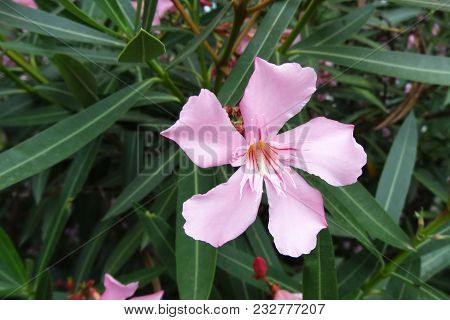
(260, 267)
(69, 285)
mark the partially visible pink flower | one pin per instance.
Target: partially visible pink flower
(7, 62)
(322, 147)
(27, 3)
(286, 295)
(162, 7)
(114, 290)
(435, 29)
(408, 87)
(411, 42)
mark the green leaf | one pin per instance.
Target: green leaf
(79, 79)
(90, 250)
(192, 45)
(38, 183)
(397, 289)
(262, 244)
(353, 272)
(125, 248)
(195, 260)
(356, 202)
(51, 25)
(338, 30)
(239, 264)
(66, 137)
(105, 56)
(143, 184)
(75, 178)
(431, 183)
(162, 237)
(403, 65)
(435, 262)
(395, 179)
(427, 291)
(142, 48)
(116, 11)
(262, 45)
(35, 117)
(319, 275)
(13, 276)
(80, 14)
(44, 290)
(428, 4)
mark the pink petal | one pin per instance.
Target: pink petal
(326, 148)
(27, 3)
(276, 93)
(154, 296)
(161, 8)
(295, 218)
(114, 290)
(221, 214)
(286, 295)
(205, 132)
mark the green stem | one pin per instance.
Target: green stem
(23, 84)
(156, 67)
(312, 6)
(420, 239)
(240, 13)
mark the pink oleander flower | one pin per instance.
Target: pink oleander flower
(435, 29)
(322, 147)
(286, 295)
(161, 9)
(27, 3)
(114, 290)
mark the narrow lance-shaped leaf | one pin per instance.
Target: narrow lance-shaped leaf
(319, 275)
(75, 178)
(116, 11)
(397, 289)
(66, 137)
(144, 183)
(51, 25)
(142, 48)
(79, 79)
(356, 202)
(428, 4)
(13, 276)
(396, 176)
(162, 237)
(403, 65)
(339, 30)
(195, 260)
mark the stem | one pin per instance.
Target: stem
(156, 67)
(420, 239)
(194, 28)
(240, 13)
(23, 84)
(259, 6)
(312, 6)
(246, 29)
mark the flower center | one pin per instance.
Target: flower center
(263, 163)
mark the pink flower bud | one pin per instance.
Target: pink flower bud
(260, 267)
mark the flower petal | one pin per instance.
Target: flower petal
(221, 214)
(286, 295)
(205, 132)
(296, 217)
(114, 290)
(276, 93)
(154, 296)
(325, 148)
